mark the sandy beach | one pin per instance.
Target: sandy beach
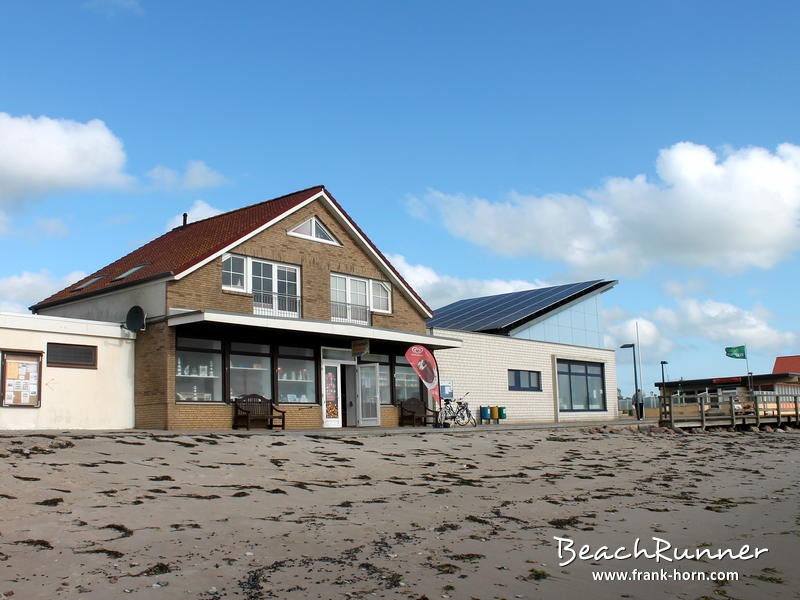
(462, 514)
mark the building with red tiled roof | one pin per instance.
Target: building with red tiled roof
(270, 299)
(787, 364)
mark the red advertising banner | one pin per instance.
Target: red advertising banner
(424, 364)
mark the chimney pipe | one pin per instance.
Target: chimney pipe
(185, 219)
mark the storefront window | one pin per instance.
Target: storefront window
(198, 376)
(296, 381)
(406, 384)
(250, 375)
(293, 351)
(581, 386)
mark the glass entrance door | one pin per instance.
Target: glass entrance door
(331, 395)
(368, 407)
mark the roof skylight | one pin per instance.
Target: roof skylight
(86, 284)
(130, 272)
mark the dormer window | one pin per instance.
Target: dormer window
(315, 231)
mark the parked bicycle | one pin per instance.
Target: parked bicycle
(459, 414)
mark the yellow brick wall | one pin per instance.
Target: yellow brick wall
(390, 416)
(202, 416)
(151, 383)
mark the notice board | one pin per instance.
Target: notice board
(22, 379)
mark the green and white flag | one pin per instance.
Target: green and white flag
(736, 352)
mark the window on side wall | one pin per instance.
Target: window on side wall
(72, 355)
(524, 381)
(581, 386)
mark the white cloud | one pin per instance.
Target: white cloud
(18, 292)
(440, 290)
(112, 7)
(651, 340)
(730, 325)
(665, 328)
(41, 155)
(678, 289)
(196, 176)
(199, 210)
(726, 212)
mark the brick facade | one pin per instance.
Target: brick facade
(152, 385)
(202, 289)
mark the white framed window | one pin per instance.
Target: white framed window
(275, 286)
(381, 299)
(353, 298)
(234, 273)
(315, 231)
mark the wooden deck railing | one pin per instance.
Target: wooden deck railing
(714, 410)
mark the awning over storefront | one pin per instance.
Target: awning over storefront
(349, 330)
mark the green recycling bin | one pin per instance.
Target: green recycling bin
(485, 413)
(501, 411)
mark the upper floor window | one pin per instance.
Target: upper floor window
(314, 230)
(233, 273)
(381, 297)
(354, 298)
(275, 286)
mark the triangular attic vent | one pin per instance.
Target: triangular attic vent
(314, 230)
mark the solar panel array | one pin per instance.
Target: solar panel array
(496, 312)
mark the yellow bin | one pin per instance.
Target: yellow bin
(494, 411)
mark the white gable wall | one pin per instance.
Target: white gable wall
(72, 398)
(114, 306)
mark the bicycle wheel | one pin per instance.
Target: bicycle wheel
(462, 417)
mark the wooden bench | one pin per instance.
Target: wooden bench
(413, 413)
(253, 408)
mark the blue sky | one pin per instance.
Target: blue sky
(484, 147)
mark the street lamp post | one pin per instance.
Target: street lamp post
(636, 402)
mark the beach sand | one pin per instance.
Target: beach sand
(461, 514)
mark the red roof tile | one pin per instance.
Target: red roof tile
(786, 364)
(185, 247)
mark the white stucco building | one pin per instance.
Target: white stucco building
(60, 373)
(537, 352)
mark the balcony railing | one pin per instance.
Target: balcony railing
(341, 312)
(276, 305)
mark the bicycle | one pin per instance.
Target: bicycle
(460, 416)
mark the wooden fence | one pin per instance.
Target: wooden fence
(719, 410)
